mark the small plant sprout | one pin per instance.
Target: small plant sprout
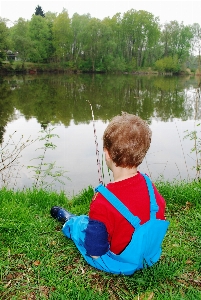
(195, 135)
(47, 173)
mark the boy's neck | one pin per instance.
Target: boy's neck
(120, 173)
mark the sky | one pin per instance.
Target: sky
(187, 11)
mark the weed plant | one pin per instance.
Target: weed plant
(38, 262)
(46, 174)
(10, 152)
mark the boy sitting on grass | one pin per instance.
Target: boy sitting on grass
(113, 238)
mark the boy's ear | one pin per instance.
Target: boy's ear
(107, 156)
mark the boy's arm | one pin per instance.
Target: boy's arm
(96, 238)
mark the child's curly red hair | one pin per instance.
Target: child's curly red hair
(127, 139)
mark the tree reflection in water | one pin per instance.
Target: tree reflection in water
(27, 103)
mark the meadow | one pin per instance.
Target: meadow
(38, 262)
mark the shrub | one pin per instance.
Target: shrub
(168, 64)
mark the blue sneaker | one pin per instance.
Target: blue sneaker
(60, 214)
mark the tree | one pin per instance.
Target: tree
(40, 35)
(78, 25)
(196, 42)
(176, 40)
(50, 18)
(62, 36)
(110, 44)
(3, 40)
(141, 32)
(92, 42)
(21, 41)
(39, 11)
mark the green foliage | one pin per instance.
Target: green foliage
(176, 40)
(141, 33)
(116, 64)
(47, 173)
(62, 36)
(3, 35)
(22, 43)
(78, 25)
(40, 35)
(2, 57)
(195, 135)
(196, 149)
(122, 43)
(168, 64)
(196, 42)
(3, 40)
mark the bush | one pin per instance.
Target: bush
(168, 64)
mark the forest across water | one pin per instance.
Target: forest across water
(132, 42)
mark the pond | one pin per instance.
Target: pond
(30, 106)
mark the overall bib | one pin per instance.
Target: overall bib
(144, 248)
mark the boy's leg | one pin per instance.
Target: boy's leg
(75, 228)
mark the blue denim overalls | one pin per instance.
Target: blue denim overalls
(144, 248)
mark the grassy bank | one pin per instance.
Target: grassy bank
(16, 68)
(34, 68)
(38, 262)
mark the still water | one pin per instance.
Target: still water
(31, 104)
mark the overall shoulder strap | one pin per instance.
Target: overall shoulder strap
(133, 220)
(153, 205)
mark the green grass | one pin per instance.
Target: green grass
(38, 262)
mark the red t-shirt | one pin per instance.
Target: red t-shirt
(133, 192)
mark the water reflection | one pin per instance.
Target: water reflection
(63, 98)
(28, 104)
